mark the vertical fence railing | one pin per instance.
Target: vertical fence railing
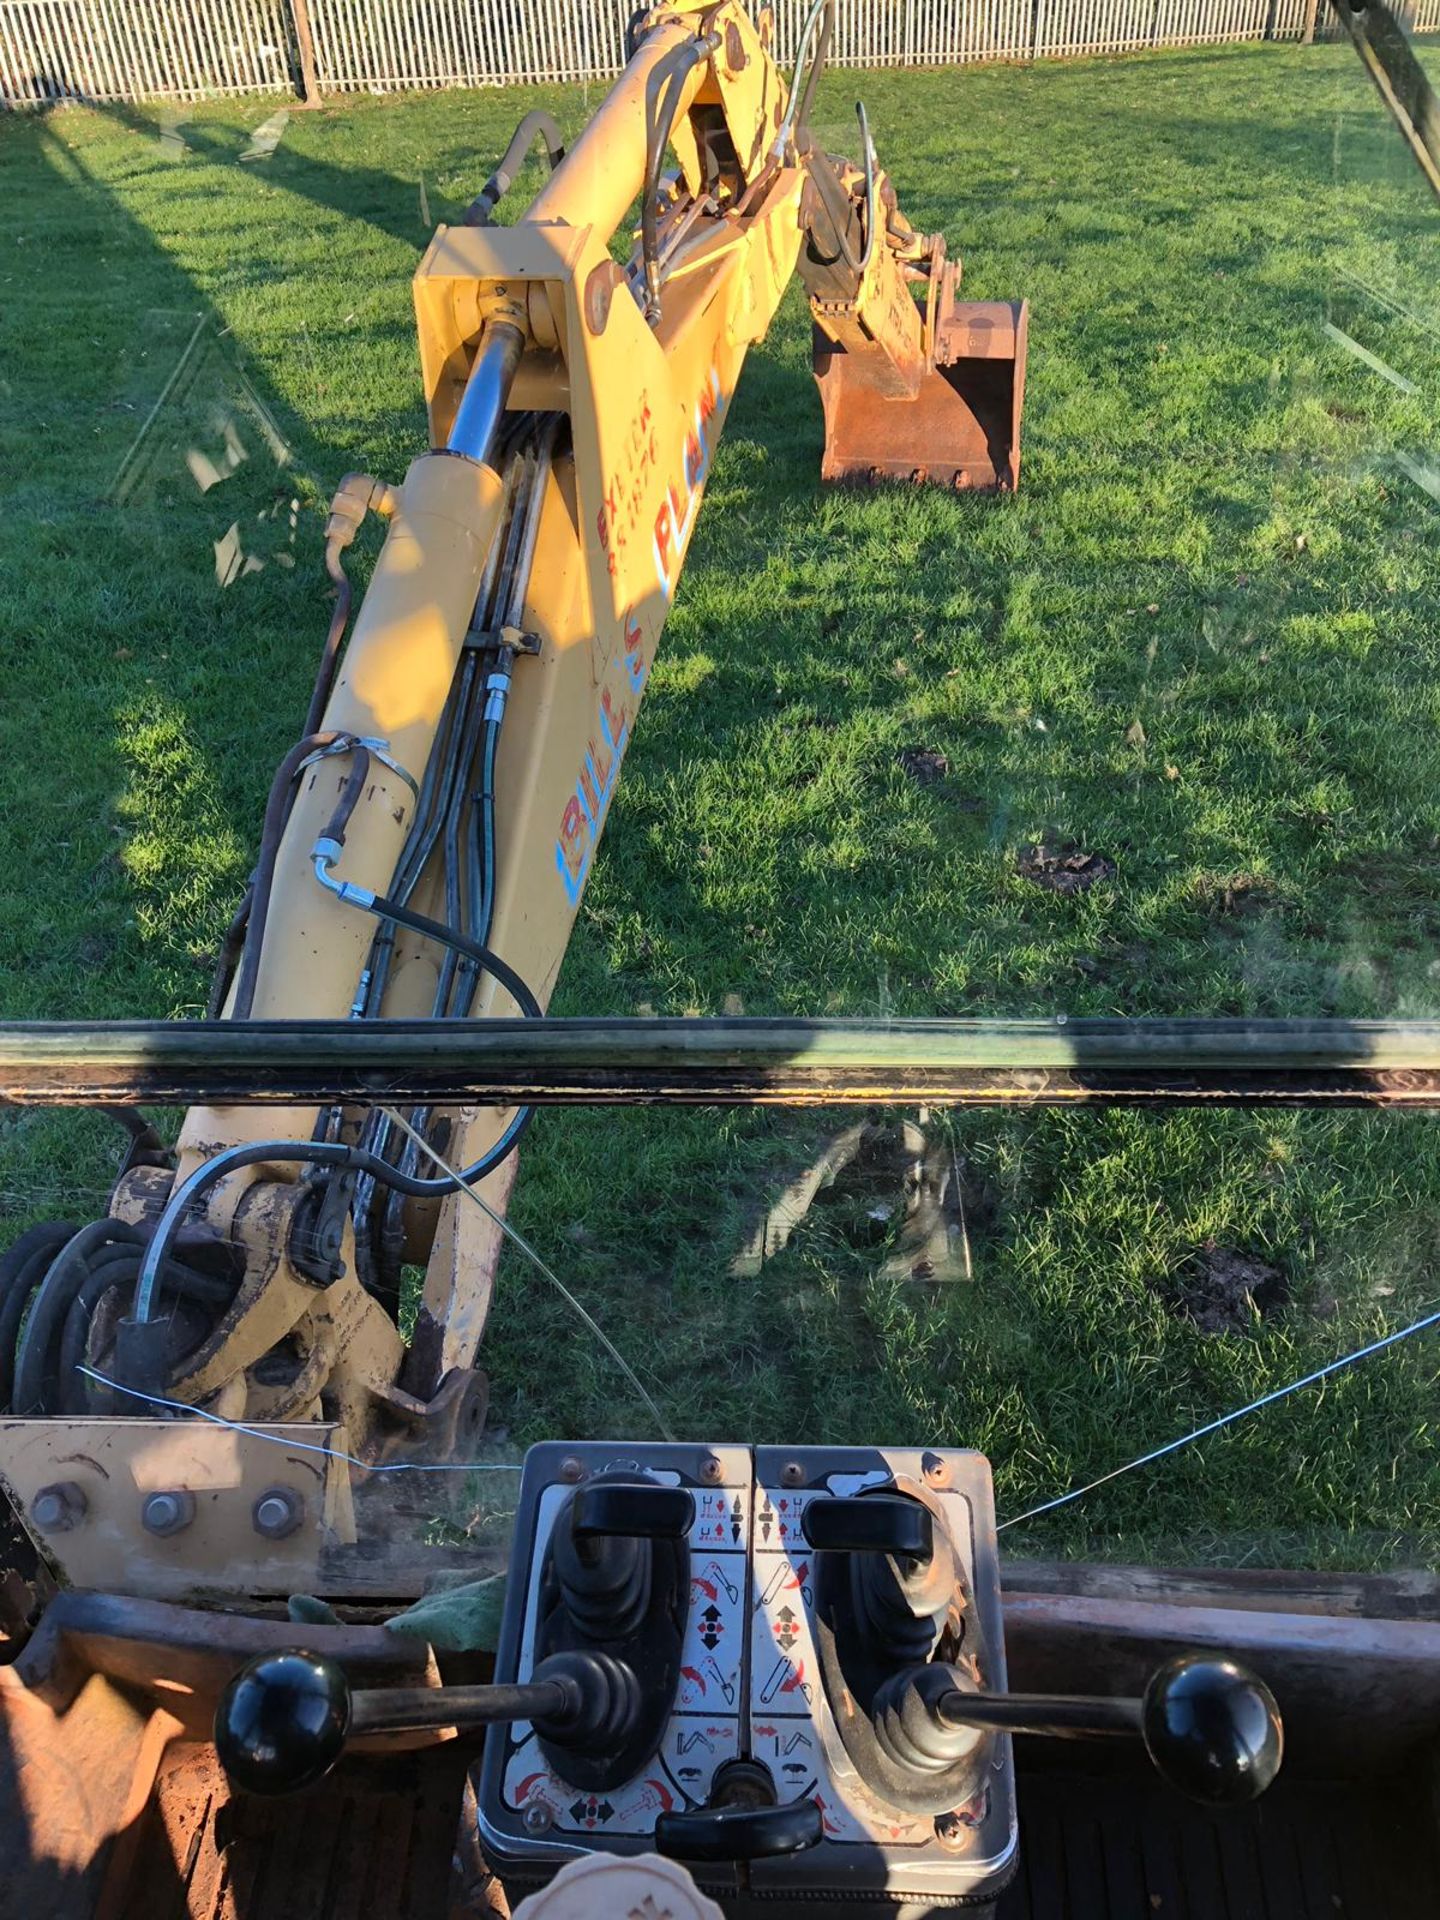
(136, 49)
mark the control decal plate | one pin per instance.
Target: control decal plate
(704, 1729)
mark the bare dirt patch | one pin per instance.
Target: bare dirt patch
(1225, 1289)
(1066, 869)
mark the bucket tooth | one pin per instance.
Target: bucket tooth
(961, 429)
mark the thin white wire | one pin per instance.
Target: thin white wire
(304, 1446)
(525, 1247)
(1237, 1413)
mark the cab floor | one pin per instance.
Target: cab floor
(381, 1837)
(1122, 1847)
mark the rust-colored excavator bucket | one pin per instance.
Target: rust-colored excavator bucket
(960, 427)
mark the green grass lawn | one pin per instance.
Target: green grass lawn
(1201, 642)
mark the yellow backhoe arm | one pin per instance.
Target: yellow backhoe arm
(429, 839)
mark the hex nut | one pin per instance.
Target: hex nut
(278, 1512)
(58, 1508)
(167, 1512)
(537, 1817)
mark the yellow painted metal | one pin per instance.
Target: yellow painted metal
(114, 1464)
(645, 400)
(884, 314)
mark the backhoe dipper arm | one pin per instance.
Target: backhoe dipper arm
(428, 842)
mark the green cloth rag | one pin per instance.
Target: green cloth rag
(463, 1619)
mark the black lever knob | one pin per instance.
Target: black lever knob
(870, 1523)
(283, 1721)
(620, 1509)
(285, 1718)
(1210, 1727)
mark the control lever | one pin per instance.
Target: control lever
(899, 1576)
(740, 1833)
(870, 1523)
(619, 1508)
(1210, 1727)
(602, 1553)
(285, 1718)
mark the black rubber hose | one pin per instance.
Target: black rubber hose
(537, 125)
(335, 633)
(21, 1268)
(349, 794)
(51, 1302)
(668, 77)
(488, 961)
(231, 947)
(74, 1391)
(277, 812)
(109, 1266)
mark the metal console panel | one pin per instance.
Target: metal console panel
(751, 1685)
(869, 1847)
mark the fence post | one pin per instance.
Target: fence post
(305, 47)
(1307, 38)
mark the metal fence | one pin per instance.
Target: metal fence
(184, 49)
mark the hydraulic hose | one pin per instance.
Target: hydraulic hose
(537, 125)
(376, 903)
(52, 1280)
(670, 74)
(21, 1267)
(797, 108)
(277, 810)
(314, 1153)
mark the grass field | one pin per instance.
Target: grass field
(1201, 642)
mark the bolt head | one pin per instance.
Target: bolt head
(537, 1818)
(936, 1470)
(953, 1832)
(56, 1509)
(167, 1512)
(712, 1470)
(572, 1469)
(277, 1513)
(792, 1474)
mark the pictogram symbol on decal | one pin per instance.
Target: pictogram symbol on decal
(767, 1520)
(587, 1811)
(713, 1579)
(725, 1684)
(737, 1515)
(711, 1627)
(784, 1629)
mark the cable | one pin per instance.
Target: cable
(1238, 1413)
(300, 1446)
(525, 1247)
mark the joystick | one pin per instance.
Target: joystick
(616, 1582)
(285, 1718)
(1211, 1728)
